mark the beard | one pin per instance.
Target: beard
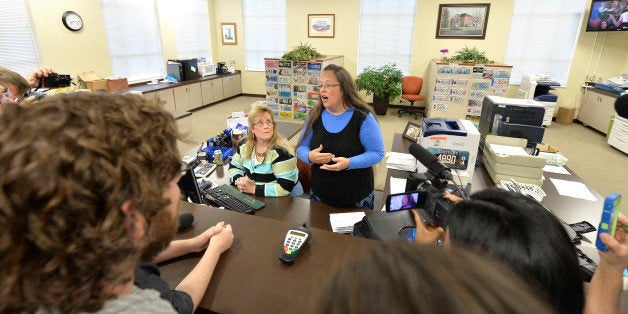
(160, 233)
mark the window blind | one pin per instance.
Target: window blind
(386, 33)
(191, 25)
(264, 31)
(542, 38)
(133, 38)
(18, 50)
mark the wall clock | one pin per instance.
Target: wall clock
(72, 21)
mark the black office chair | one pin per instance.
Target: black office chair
(411, 91)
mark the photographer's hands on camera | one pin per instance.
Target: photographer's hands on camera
(430, 233)
(328, 161)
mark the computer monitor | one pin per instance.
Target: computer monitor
(189, 187)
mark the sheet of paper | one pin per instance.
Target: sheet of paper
(343, 222)
(508, 150)
(556, 169)
(573, 189)
(397, 185)
(401, 161)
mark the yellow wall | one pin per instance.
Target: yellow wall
(70, 52)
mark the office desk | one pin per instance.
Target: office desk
(249, 277)
(569, 209)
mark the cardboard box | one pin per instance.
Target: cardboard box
(117, 84)
(91, 81)
(565, 115)
(546, 148)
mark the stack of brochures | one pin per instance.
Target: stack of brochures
(343, 222)
(401, 161)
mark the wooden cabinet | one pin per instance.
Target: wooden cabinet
(165, 95)
(188, 97)
(232, 85)
(597, 108)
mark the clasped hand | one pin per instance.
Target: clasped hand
(340, 163)
(245, 185)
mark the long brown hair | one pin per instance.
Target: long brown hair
(350, 96)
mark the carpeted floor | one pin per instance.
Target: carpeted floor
(597, 163)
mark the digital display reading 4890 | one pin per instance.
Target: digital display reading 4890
(451, 158)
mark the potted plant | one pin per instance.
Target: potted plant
(466, 55)
(383, 82)
(302, 52)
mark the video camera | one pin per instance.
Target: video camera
(55, 80)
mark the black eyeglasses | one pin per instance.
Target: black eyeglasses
(262, 123)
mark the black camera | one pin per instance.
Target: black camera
(435, 206)
(56, 80)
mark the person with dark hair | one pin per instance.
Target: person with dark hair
(88, 186)
(264, 163)
(342, 141)
(517, 230)
(401, 278)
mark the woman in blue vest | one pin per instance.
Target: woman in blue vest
(342, 141)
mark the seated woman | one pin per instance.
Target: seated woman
(264, 163)
(520, 232)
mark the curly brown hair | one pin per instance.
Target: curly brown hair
(67, 166)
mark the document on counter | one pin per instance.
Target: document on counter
(401, 161)
(573, 189)
(556, 169)
(343, 222)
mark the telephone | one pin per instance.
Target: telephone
(524, 188)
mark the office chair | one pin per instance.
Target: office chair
(411, 90)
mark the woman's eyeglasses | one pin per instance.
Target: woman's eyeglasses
(262, 123)
(327, 86)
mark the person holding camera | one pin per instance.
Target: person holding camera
(517, 230)
(14, 87)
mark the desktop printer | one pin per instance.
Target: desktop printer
(183, 70)
(512, 117)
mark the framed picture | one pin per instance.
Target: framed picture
(412, 132)
(321, 25)
(229, 36)
(466, 21)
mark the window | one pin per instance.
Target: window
(264, 31)
(133, 37)
(191, 25)
(18, 51)
(386, 33)
(543, 37)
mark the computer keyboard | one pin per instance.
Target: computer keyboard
(232, 199)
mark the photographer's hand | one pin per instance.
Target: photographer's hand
(33, 78)
(426, 233)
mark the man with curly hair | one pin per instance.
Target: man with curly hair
(88, 184)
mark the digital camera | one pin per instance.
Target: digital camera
(56, 80)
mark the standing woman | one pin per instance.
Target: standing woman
(342, 141)
(264, 163)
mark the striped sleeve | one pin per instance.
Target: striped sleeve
(284, 169)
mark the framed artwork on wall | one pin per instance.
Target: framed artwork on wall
(466, 21)
(229, 36)
(321, 25)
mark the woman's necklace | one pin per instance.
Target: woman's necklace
(261, 155)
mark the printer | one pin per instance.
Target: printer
(512, 117)
(183, 70)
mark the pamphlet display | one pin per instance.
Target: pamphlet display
(457, 90)
(292, 86)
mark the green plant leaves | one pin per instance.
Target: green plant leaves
(383, 82)
(466, 55)
(302, 52)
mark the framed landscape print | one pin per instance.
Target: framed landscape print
(466, 21)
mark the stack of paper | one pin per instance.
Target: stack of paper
(401, 161)
(343, 222)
